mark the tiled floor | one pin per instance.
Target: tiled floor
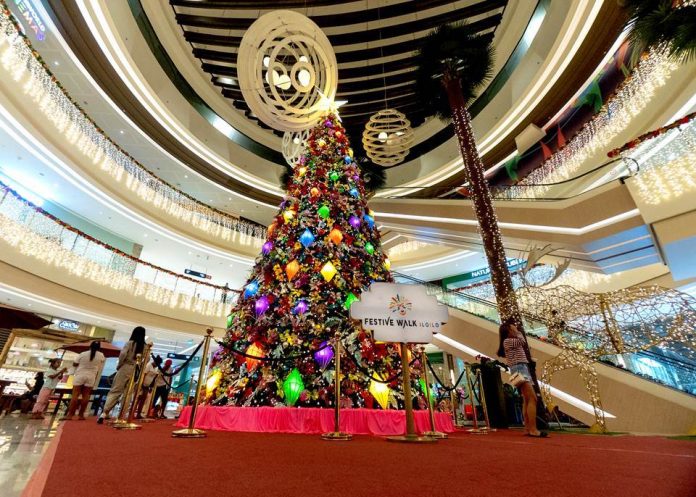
(22, 444)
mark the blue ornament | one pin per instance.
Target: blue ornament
(307, 238)
(354, 192)
(369, 220)
(347, 159)
(251, 289)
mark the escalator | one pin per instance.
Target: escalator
(632, 401)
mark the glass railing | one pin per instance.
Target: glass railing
(36, 233)
(669, 366)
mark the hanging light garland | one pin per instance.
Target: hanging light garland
(632, 97)
(24, 65)
(36, 234)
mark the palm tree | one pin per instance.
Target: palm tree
(655, 22)
(454, 62)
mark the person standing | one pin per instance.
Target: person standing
(88, 366)
(162, 390)
(147, 389)
(513, 348)
(124, 371)
(51, 379)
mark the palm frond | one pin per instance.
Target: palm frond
(458, 50)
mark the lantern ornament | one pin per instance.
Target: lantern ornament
(254, 350)
(328, 271)
(293, 386)
(387, 137)
(324, 355)
(380, 391)
(294, 145)
(213, 382)
(262, 305)
(292, 268)
(287, 70)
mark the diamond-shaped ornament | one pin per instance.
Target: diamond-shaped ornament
(324, 211)
(336, 236)
(328, 271)
(307, 238)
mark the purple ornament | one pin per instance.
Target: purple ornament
(354, 221)
(324, 356)
(261, 305)
(328, 123)
(303, 159)
(301, 307)
(267, 247)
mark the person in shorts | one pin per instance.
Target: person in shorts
(513, 347)
(88, 366)
(52, 377)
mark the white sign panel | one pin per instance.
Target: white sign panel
(399, 313)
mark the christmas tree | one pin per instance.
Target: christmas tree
(323, 250)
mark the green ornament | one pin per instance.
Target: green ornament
(369, 248)
(334, 176)
(293, 387)
(324, 211)
(423, 388)
(229, 320)
(349, 300)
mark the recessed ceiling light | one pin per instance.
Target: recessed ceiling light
(56, 63)
(145, 235)
(185, 175)
(121, 131)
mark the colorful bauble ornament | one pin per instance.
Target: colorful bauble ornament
(293, 386)
(369, 220)
(254, 350)
(272, 228)
(336, 236)
(286, 70)
(354, 221)
(302, 171)
(347, 159)
(369, 248)
(267, 247)
(294, 145)
(261, 305)
(387, 137)
(380, 391)
(230, 319)
(291, 269)
(328, 271)
(307, 238)
(314, 192)
(324, 355)
(350, 298)
(387, 263)
(251, 289)
(334, 176)
(213, 382)
(288, 214)
(324, 211)
(301, 307)
(354, 192)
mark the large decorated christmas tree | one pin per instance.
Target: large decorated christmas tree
(323, 250)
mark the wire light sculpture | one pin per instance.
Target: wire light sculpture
(387, 137)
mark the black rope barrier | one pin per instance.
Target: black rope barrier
(273, 359)
(178, 370)
(437, 379)
(369, 374)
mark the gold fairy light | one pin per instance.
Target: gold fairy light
(19, 61)
(589, 326)
(633, 96)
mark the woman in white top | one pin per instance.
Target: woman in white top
(88, 365)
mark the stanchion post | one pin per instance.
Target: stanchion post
(433, 433)
(337, 434)
(121, 420)
(475, 430)
(129, 424)
(454, 399)
(483, 400)
(192, 432)
(411, 435)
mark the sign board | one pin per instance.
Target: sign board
(480, 274)
(197, 274)
(30, 16)
(399, 313)
(181, 357)
(67, 325)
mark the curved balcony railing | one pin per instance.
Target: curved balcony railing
(40, 235)
(657, 365)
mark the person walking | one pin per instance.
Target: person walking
(513, 348)
(88, 366)
(51, 379)
(124, 371)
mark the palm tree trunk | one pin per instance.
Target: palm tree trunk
(483, 205)
(488, 222)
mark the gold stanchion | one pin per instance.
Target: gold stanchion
(130, 424)
(454, 398)
(337, 434)
(411, 435)
(192, 432)
(475, 430)
(483, 400)
(121, 420)
(433, 433)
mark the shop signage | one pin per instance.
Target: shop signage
(32, 19)
(399, 313)
(69, 325)
(479, 274)
(198, 274)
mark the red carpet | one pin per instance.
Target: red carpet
(94, 460)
